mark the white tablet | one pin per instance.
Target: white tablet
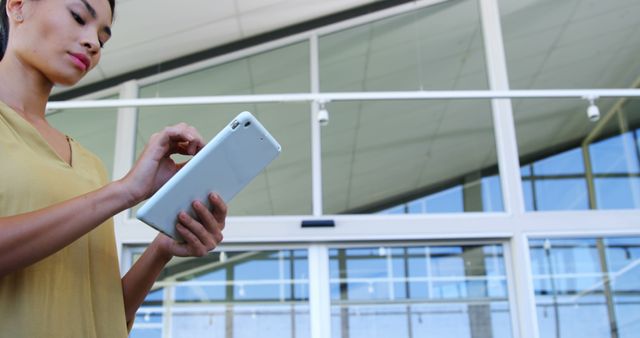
(225, 166)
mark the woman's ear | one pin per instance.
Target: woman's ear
(15, 10)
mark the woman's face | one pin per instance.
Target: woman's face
(60, 38)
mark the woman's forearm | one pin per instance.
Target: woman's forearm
(30, 237)
(140, 278)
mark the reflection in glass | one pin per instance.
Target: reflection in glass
(237, 294)
(395, 53)
(146, 333)
(439, 291)
(599, 170)
(459, 198)
(587, 287)
(377, 155)
(615, 166)
(575, 44)
(570, 43)
(284, 188)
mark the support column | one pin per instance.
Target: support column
(124, 152)
(319, 297)
(525, 322)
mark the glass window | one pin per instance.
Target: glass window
(281, 70)
(449, 200)
(615, 159)
(436, 156)
(284, 188)
(146, 333)
(528, 191)
(615, 154)
(565, 163)
(556, 183)
(574, 44)
(587, 287)
(456, 199)
(570, 43)
(575, 164)
(618, 193)
(247, 294)
(396, 54)
(419, 291)
(492, 194)
(565, 194)
(94, 128)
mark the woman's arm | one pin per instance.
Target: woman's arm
(201, 236)
(30, 237)
(140, 278)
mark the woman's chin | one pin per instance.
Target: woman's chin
(65, 81)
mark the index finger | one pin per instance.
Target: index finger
(182, 133)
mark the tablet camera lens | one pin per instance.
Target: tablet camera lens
(234, 124)
(246, 124)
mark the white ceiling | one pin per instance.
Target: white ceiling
(148, 32)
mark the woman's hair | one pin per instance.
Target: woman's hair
(4, 24)
(4, 27)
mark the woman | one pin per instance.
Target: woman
(58, 264)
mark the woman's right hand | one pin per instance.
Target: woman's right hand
(154, 167)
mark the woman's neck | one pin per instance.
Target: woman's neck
(23, 88)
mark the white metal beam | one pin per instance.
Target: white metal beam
(319, 296)
(124, 151)
(524, 314)
(316, 142)
(346, 96)
(363, 228)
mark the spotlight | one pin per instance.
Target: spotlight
(593, 112)
(323, 114)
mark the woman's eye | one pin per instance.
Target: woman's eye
(77, 17)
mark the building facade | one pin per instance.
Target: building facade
(471, 194)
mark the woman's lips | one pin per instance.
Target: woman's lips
(80, 60)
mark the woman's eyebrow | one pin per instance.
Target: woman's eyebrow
(94, 15)
(89, 9)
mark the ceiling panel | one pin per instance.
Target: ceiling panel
(521, 18)
(142, 21)
(170, 46)
(286, 13)
(245, 6)
(148, 32)
(609, 24)
(595, 8)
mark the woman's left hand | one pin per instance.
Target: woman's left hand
(201, 235)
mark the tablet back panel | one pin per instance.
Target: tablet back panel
(225, 165)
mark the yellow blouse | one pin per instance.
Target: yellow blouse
(77, 291)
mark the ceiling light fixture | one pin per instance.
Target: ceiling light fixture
(323, 114)
(593, 112)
